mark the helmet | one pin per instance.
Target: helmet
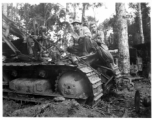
(76, 21)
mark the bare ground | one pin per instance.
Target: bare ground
(115, 105)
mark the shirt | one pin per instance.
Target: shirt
(82, 32)
(98, 36)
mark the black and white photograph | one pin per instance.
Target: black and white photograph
(76, 59)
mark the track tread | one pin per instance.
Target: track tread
(95, 81)
(89, 72)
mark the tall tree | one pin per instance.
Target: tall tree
(124, 60)
(140, 24)
(134, 27)
(85, 6)
(42, 14)
(5, 8)
(146, 21)
(74, 8)
(83, 11)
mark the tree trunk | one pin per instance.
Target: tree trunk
(66, 8)
(4, 8)
(74, 7)
(83, 12)
(115, 35)
(44, 14)
(140, 24)
(124, 60)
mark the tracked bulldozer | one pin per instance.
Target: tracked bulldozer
(36, 79)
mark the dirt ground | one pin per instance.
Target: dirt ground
(113, 106)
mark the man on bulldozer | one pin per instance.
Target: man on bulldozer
(102, 48)
(98, 39)
(82, 40)
(86, 43)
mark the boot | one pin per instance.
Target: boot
(115, 70)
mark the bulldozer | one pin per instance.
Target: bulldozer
(37, 78)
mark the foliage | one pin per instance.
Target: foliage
(42, 14)
(85, 6)
(26, 15)
(133, 29)
(146, 21)
(97, 5)
(109, 24)
(73, 15)
(90, 19)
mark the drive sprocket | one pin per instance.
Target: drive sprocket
(72, 84)
(82, 83)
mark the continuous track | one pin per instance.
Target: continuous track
(89, 73)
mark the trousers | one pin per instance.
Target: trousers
(85, 45)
